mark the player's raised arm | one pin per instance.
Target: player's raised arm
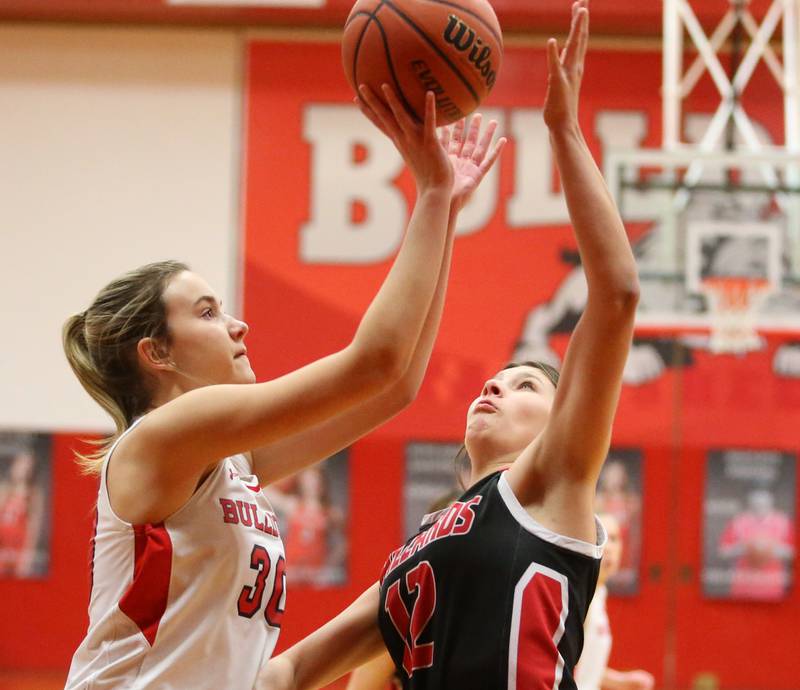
(472, 155)
(193, 424)
(566, 457)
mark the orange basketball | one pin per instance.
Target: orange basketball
(451, 47)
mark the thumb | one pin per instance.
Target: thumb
(553, 61)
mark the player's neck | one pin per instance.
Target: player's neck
(480, 470)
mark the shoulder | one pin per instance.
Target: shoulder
(546, 532)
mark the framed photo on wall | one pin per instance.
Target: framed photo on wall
(25, 491)
(312, 508)
(749, 524)
(619, 493)
(434, 477)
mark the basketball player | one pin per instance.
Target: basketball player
(494, 593)
(187, 557)
(380, 672)
(593, 672)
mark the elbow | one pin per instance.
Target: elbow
(382, 367)
(618, 301)
(406, 392)
(630, 293)
(625, 294)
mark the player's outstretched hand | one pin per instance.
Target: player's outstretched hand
(637, 680)
(418, 144)
(565, 71)
(470, 155)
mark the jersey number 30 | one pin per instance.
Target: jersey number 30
(411, 626)
(251, 595)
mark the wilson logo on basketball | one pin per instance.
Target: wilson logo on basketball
(463, 38)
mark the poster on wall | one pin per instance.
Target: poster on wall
(619, 494)
(435, 475)
(749, 524)
(312, 509)
(24, 504)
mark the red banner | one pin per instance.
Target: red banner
(327, 201)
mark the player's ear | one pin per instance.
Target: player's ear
(152, 355)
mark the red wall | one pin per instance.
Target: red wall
(43, 620)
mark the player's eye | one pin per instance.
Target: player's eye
(527, 384)
(207, 313)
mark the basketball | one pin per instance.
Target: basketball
(453, 48)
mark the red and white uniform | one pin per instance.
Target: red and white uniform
(596, 643)
(194, 601)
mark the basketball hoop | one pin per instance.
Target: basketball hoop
(732, 304)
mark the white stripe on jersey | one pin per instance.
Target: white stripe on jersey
(538, 621)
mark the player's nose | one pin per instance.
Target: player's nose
(237, 328)
(492, 387)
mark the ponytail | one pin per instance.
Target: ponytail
(80, 360)
(100, 346)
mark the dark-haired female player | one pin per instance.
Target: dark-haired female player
(493, 594)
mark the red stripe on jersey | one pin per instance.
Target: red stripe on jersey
(145, 600)
(540, 613)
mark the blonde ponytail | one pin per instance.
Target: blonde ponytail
(100, 346)
(77, 351)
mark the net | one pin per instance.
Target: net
(732, 304)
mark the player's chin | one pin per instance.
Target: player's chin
(243, 372)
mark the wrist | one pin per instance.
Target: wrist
(565, 133)
(435, 190)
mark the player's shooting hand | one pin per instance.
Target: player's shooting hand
(418, 144)
(470, 155)
(565, 71)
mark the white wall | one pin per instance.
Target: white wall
(117, 147)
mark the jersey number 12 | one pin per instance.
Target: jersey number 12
(411, 626)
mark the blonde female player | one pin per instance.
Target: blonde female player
(188, 567)
(493, 594)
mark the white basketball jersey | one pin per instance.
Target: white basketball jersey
(596, 644)
(194, 601)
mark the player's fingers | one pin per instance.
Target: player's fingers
(488, 162)
(457, 137)
(569, 53)
(485, 142)
(553, 62)
(367, 112)
(382, 113)
(444, 137)
(430, 117)
(404, 120)
(583, 36)
(471, 139)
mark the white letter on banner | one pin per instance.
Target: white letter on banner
(534, 201)
(337, 181)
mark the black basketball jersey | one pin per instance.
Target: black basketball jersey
(484, 597)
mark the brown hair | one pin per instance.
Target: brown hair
(462, 459)
(100, 345)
